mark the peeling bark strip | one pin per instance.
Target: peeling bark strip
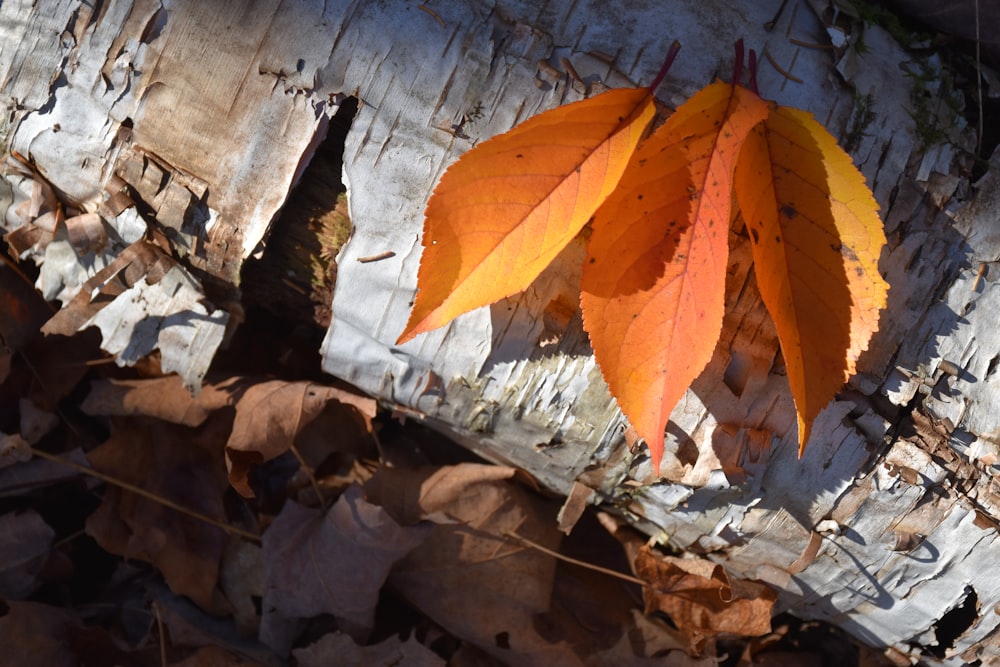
(206, 116)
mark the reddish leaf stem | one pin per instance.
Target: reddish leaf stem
(671, 56)
(752, 67)
(738, 61)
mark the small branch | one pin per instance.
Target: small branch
(311, 476)
(781, 70)
(374, 258)
(590, 566)
(166, 502)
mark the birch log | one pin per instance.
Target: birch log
(184, 126)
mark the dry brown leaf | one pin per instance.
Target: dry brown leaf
(24, 312)
(333, 563)
(702, 600)
(479, 585)
(649, 643)
(164, 398)
(58, 363)
(36, 634)
(270, 415)
(451, 494)
(173, 462)
(340, 649)
(242, 581)
(213, 656)
(25, 545)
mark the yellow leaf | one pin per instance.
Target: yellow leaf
(816, 238)
(503, 212)
(654, 281)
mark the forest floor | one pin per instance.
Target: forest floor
(282, 518)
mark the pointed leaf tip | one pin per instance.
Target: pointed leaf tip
(816, 238)
(653, 285)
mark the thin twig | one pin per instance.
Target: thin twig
(159, 632)
(590, 566)
(811, 45)
(166, 502)
(374, 258)
(788, 75)
(433, 14)
(311, 476)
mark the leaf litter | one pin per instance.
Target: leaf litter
(280, 519)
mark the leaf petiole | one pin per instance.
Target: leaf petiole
(738, 61)
(752, 67)
(675, 48)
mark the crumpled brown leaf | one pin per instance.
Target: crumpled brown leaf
(340, 649)
(333, 563)
(182, 465)
(213, 656)
(24, 312)
(701, 598)
(37, 634)
(271, 414)
(471, 577)
(165, 398)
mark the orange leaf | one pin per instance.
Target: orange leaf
(816, 239)
(654, 282)
(503, 212)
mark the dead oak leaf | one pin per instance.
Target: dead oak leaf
(170, 461)
(163, 398)
(340, 649)
(702, 599)
(271, 414)
(333, 563)
(471, 577)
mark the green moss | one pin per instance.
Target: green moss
(872, 14)
(935, 104)
(861, 118)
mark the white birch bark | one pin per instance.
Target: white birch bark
(208, 113)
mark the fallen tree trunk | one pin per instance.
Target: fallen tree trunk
(186, 152)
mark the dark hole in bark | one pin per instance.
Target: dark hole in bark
(992, 366)
(288, 291)
(955, 623)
